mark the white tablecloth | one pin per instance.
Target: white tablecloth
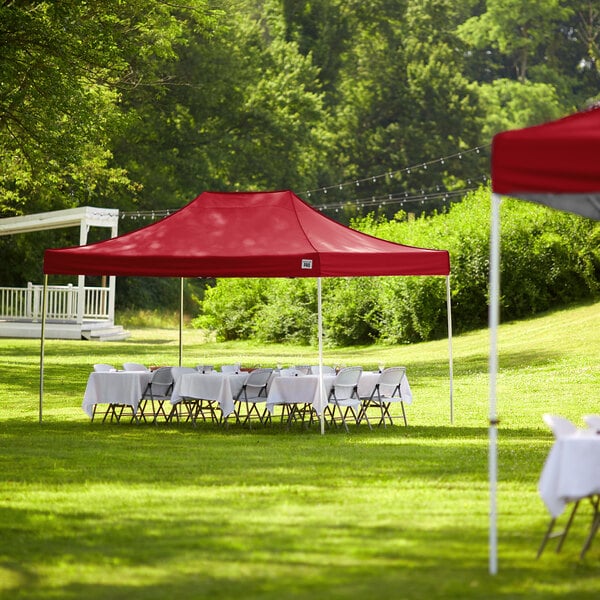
(304, 389)
(220, 387)
(571, 471)
(367, 382)
(301, 389)
(115, 387)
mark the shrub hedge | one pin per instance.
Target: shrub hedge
(549, 258)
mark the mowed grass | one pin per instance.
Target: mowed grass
(92, 510)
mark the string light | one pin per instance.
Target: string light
(390, 174)
(385, 200)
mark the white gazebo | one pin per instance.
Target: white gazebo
(73, 311)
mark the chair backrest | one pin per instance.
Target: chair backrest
(327, 370)
(290, 372)
(259, 377)
(560, 426)
(390, 379)
(177, 372)
(304, 369)
(346, 382)
(592, 421)
(132, 366)
(231, 368)
(103, 368)
(205, 368)
(162, 380)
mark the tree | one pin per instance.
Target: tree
(519, 29)
(242, 110)
(63, 67)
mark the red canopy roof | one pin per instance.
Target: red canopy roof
(557, 163)
(254, 234)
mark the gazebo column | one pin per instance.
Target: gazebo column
(112, 280)
(83, 233)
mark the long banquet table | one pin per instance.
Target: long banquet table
(301, 389)
(218, 387)
(115, 387)
(304, 389)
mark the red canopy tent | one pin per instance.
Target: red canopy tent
(251, 234)
(254, 234)
(556, 164)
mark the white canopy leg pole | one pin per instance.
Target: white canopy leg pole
(320, 334)
(42, 337)
(450, 359)
(494, 312)
(180, 320)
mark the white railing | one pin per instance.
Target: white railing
(62, 303)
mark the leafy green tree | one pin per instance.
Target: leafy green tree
(64, 68)
(243, 110)
(519, 29)
(402, 98)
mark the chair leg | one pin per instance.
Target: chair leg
(358, 419)
(546, 537)
(343, 416)
(595, 500)
(403, 414)
(561, 534)
(173, 412)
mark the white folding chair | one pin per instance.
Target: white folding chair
(132, 366)
(205, 368)
(158, 390)
(231, 368)
(303, 369)
(560, 426)
(343, 397)
(187, 403)
(385, 391)
(253, 393)
(327, 370)
(103, 368)
(593, 422)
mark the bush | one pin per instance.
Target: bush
(548, 258)
(289, 313)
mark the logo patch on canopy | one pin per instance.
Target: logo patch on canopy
(306, 263)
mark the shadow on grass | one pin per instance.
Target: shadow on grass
(212, 455)
(193, 553)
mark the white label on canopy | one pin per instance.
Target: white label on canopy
(306, 263)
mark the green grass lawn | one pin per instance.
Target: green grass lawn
(92, 510)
